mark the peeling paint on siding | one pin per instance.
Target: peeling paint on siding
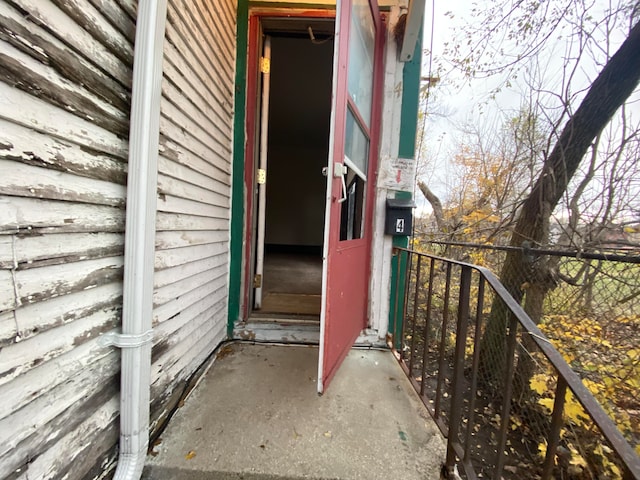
(64, 108)
(64, 112)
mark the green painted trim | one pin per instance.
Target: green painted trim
(410, 103)
(237, 180)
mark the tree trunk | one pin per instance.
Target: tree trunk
(612, 87)
(436, 204)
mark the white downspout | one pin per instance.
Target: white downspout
(137, 303)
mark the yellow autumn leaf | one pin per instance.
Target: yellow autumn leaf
(542, 449)
(574, 411)
(593, 387)
(546, 402)
(190, 455)
(538, 383)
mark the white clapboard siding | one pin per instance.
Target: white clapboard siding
(75, 367)
(7, 258)
(21, 108)
(169, 310)
(194, 88)
(182, 36)
(170, 292)
(168, 203)
(45, 315)
(182, 272)
(8, 328)
(7, 290)
(178, 129)
(188, 24)
(179, 256)
(37, 216)
(170, 221)
(122, 20)
(42, 250)
(64, 110)
(173, 369)
(22, 144)
(167, 240)
(76, 461)
(40, 42)
(170, 151)
(55, 185)
(38, 284)
(181, 340)
(18, 358)
(42, 81)
(186, 354)
(98, 26)
(186, 174)
(181, 189)
(64, 121)
(210, 13)
(192, 223)
(85, 391)
(46, 13)
(193, 111)
(165, 330)
(128, 6)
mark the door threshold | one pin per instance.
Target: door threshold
(288, 318)
(283, 330)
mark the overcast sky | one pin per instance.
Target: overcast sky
(455, 106)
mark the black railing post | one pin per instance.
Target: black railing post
(443, 339)
(512, 340)
(556, 426)
(477, 335)
(427, 323)
(450, 422)
(455, 417)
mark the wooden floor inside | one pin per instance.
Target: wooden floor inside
(292, 286)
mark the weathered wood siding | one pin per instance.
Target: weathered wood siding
(194, 178)
(65, 81)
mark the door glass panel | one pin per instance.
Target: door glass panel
(352, 214)
(361, 49)
(356, 146)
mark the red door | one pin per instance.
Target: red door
(355, 120)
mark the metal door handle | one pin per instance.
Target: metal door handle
(340, 170)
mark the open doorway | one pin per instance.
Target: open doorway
(297, 149)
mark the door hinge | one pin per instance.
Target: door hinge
(265, 65)
(262, 176)
(257, 281)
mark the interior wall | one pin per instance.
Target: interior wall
(299, 116)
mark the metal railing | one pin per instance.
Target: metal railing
(505, 399)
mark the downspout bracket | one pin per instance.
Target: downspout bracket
(125, 340)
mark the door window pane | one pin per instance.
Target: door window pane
(356, 146)
(352, 212)
(361, 49)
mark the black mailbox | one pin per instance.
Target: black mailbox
(399, 217)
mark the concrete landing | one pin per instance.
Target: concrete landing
(256, 416)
